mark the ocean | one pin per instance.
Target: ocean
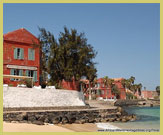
(148, 119)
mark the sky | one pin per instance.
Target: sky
(126, 36)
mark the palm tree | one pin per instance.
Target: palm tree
(132, 79)
(115, 90)
(158, 90)
(124, 83)
(139, 88)
(108, 82)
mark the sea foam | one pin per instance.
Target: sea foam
(106, 126)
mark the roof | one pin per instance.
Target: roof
(118, 79)
(115, 79)
(21, 36)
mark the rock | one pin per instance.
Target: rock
(124, 120)
(72, 120)
(64, 120)
(111, 120)
(38, 122)
(56, 120)
(46, 120)
(81, 121)
(120, 109)
(31, 118)
(118, 119)
(91, 120)
(97, 119)
(118, 113)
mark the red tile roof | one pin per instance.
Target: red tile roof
(22, 36)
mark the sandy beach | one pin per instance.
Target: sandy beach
(24, 127)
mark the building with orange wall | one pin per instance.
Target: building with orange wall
(21, 56)
(106, 91)
(147, 94)
(100, 90)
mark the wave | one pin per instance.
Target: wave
(106, 126)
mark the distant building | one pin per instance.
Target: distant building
(105, 92)
(147, 94)
(21, 56)
(100, 90)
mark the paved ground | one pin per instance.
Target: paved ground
(90, 105)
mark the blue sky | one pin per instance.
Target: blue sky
(126, 36)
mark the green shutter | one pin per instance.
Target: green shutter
(28, 54)
(35, 76)
(21, 72)
(33, 54)
(15, 53)
(26, 72)
(21, 53)
(12, 73)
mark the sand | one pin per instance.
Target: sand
(24, 127)
(87, 127)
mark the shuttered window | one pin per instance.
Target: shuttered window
(33, 74)
(31, 54)
(18, 53)
(17, 72)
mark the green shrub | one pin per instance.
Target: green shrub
(10, 85)
(28, 83)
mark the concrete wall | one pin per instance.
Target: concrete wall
(32, 97)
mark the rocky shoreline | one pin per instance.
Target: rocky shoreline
(137, 102)
(69, 116)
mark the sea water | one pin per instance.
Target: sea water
(147, 118)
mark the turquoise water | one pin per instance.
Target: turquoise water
(148, 118)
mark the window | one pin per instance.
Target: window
(32, 73)
(18, 53)
(31, 54)
(98, 85)
(16, 72)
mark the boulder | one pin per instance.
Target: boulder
(37, 122)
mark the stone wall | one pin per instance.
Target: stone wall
(14, 97)
(75, 116)
(137, 102)
(127, 102)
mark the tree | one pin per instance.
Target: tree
(108, 82)
(158, 90)
(132, 79)
(139, 88)
(124, 83)
(46, 40)
(115, 90)
(69, 56)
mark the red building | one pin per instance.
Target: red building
(100, 90)
(106, 93)
(21, 56)
(146, 94)
(73, 85)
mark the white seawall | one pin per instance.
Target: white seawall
(31, 97)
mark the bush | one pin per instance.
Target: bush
(58, 86)
(28, 83)
(10, 85)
